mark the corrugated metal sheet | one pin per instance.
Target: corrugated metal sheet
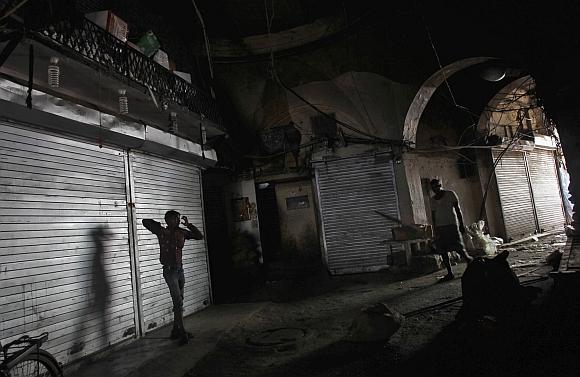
(349, 193)
(546, 189)
(54, 193)
(515, 196)
(160, 185)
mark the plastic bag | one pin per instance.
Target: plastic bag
(148, 44)
(480, 240)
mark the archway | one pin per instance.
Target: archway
(427, 90)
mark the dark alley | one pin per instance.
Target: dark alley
(289, 188)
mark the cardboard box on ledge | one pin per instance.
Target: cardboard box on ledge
(111, 23)
(162, 58)
(412, 232)
(184, 75)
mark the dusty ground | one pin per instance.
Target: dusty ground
(318, 312)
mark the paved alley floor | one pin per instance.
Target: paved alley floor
(157, 355)
(297, 328)
(319, 322)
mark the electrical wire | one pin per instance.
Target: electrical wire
(514, 94)
(492, 174)
(361, 101)
(463, 133)
(269, 20)
(441, 68)
(439, 63)
(490, 110)
(345, 125)
(207, 51)
(12, 10)
(276, 77)
(279, 154)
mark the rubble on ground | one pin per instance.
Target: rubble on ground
(377, 322)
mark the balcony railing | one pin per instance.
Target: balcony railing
(83, 37)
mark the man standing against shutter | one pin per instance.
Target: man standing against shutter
(171, 241)
(448, 223)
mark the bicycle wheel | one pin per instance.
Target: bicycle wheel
(40, 364)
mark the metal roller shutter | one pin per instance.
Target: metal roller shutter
(514, 194)
(54, 192)
(546, 189)
(350, 191)
(160, 185)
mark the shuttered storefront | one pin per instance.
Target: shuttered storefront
(349, 193)
(529, 192)
(56, 193)
(514, 194)
(546, 189)
(160, 185)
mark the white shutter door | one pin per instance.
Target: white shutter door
(514, 194)
(546, 189)
(350, 191)
(160, 185)
(54, 192)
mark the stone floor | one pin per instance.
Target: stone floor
(298, 328)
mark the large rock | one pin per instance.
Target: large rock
(375, 323)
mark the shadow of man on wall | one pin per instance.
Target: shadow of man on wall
(93, 319)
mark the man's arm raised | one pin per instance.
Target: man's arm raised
(152, 226)
(192, 232)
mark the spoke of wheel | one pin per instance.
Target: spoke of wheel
(29, 368)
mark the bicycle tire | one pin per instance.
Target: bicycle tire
(36, 364)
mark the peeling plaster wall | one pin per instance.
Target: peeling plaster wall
(492, 203)
(410, 192)
(245, 86)
(367, 101)
(444, 167)
(240, 189)
(297, 225)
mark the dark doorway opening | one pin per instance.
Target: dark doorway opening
(269, 221)
(217, 238)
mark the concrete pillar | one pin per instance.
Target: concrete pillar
(410, 194)
(569, 130)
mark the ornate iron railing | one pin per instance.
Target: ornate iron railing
(111, 54)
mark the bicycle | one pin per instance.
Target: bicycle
(24, 358)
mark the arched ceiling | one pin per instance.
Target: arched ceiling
(418, 36)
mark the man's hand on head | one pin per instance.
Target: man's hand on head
(185, 221)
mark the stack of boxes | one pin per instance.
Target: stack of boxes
(111, 23)
(148, 44)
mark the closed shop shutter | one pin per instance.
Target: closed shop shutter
(350, 191)
(546, 189)
(160, 185)
(514, 194)
(55, 195)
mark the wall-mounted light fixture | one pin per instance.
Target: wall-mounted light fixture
(173, 122)
(203, 135)
(53, 73)
(123, 102)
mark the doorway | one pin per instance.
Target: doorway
(269, 221)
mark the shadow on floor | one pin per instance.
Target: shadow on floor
(541, 341)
